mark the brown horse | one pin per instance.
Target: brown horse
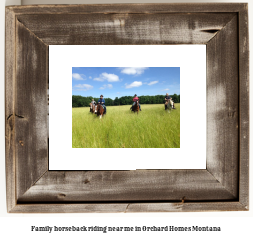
(136, 107)
(93, 108)
(100, 110)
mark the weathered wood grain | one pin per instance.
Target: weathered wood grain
(10, 60)
(223, 186)
(139, 185)
(70, 208)
(30, 109)
(222, 107)
(243, 106)
(129, 207)
(186, 207)
(155, 8)
(132, 29)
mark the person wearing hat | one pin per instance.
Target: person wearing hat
(136, 99)
(102, 102)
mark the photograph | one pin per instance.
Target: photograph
(125, 107)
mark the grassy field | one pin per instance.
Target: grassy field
(153, 127)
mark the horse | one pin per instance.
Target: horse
(169, 105)
(135, 107)
(100, 110)
(93, 108)
(172, 104)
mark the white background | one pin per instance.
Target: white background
(192, 62)
(234, 224)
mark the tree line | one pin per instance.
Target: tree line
(80, 101)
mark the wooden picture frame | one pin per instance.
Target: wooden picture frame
(222, 186)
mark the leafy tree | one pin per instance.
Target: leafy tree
(80, 101)
(116, 101)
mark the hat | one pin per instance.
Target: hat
(101, 95)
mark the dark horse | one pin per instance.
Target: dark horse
(100, 110)
(135, 107)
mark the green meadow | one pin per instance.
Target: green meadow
(153, 127)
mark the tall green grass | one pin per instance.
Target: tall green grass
(153, 127)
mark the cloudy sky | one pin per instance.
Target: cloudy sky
(117, 82)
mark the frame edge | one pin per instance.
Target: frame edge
(10, 60)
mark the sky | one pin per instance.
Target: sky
(118, 82)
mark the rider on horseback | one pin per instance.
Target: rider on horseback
(102, 102)
(136, 99)
(167, 98)
(93, 102)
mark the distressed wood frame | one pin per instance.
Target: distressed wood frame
(223, 186)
